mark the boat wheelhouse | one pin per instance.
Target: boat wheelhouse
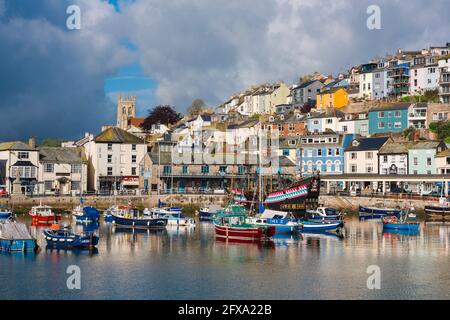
(323, 213)
(44, 214)
(283, 222)
(5, 213)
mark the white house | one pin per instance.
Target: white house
(393, 158)
(18, 158)
(423, 75)
(113, 160)
(362, 155)
(62, 171)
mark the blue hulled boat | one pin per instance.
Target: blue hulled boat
(86, 214)
(376, 213)
(324, 213)
(319, 226)
(15, 236)
(283, 222)
(65, 238)
(131, 218)
(5, 213)
(402, 223)
(207, 213)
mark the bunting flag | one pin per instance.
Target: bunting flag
(291, 193)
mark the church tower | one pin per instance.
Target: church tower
(126, 109)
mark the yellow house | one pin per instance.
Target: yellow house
(332, 98)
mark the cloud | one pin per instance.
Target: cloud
(52, 79)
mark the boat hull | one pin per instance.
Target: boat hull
(308, 226)
(72, 241)
(205, 216)
(376, 213)
(46, 219)
(437, 211)
(17, 245)
(5, 215)
(144, 223)
(401, 226)
(243, 234)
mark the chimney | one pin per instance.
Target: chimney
(32, 142)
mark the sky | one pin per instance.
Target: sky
(61, 83)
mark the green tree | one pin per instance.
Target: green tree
(196, 107)
(442, 128)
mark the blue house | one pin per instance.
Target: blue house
(392, 118)
(323, 153)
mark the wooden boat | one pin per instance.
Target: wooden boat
(376, 213)
(14, 236)
(43, 215)
(324, 213)
(442, 210)
(86, 214)
(320, 226)
(5, 213)
(402, 223)
(132, 219)
(63, 237)
(299, 197)
(283, 222)
(230, 224)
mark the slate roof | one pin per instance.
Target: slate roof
(15, 145)
(397, 106)
(61, 155)
(394, 148)
(427, 144)
(368, 144)
(117, 135)
(306, 84)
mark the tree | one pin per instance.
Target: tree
(196, 107)
(160, 115)
(442, 128)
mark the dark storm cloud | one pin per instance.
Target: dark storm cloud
(52, 80)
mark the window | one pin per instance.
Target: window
(280, 127)
(167, 169)
(385, 159)
(319, 152)
(329, 152)
(75, 168)
(329, 121)
(353, 168)
(223, 169)
(337, 166)
(133, 158)
(185, 170)
(381, 114)
(205, 169)
(285, 152)
(380, 125)
(428, 161)
(48, 185)
(291, 127)
(109, 171)
(109, 158)
(133, 171)
(369, 169)
(109, 146)
(329, 169)
(338, 152)
(353, 155)
(415, 171)
(23, 155)
(415, 161)
(345, 128)
(397, 125)
(49, 167)
(241, 169)
(310, 153)
(133, 147)
(397, 114)
(369, 155)
(75, 185)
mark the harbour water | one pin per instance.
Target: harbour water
(183, 263)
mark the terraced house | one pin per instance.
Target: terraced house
(422, 156)
(390, 118)
(361, 156)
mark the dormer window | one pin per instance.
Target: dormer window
(355, 143)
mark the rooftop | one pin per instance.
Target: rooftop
(61, 155)
(117, 135)
(15, 145)
(363, 144)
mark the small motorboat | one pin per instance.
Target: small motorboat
(14, 236)
(86, 214)
(5, 213)
(174, 219)
(43, 215)
(376, 213)
(207, 213)
(320, 226)
(130, 217)
(404, 222)
(230, 224)
(441, 210)
(63, 237)
(324, 213)
(284, 222)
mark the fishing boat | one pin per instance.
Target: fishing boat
(63, 237)
(5, 213)
(230, 224)
(14, 236)
(404, 222)
(297, 199)
(175, 219)
(283, 222)
(376, 213)
(86, 214)
(207, 213)
(442, 210)
(324, 213)
(320, 226)
(43, 215)
(131, 218)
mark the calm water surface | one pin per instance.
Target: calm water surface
(191, 264)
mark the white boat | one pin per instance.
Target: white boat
(281, 220)
(172, 214)
(323, 213)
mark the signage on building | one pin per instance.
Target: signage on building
(393, 169)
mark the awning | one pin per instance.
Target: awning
(23, 164)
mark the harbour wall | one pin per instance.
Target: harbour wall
(102, 202)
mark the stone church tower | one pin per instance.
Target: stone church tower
(126, 109)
